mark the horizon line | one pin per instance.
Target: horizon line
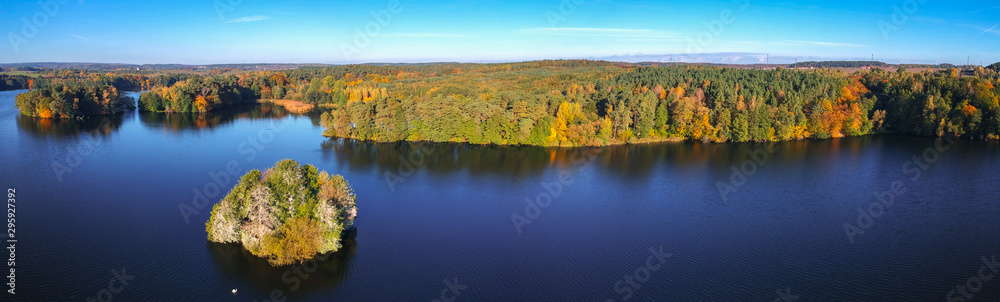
(484, 62)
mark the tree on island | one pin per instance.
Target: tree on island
(63, 101)
(287, 214)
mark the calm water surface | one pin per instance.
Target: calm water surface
(106, 194)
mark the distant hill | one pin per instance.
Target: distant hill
(942, 66)
(735, 60)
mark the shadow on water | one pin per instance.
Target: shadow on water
(101, 125)
(170, 122)
(326, 275)
(444, 158)
(628, 161)
(193, 121)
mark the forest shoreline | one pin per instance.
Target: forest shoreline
(659, 140)
(673, 140)
(561, 103)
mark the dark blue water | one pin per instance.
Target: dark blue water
(97, 196)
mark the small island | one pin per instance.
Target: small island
(287, 214)
(73, 101)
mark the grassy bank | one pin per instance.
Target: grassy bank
(291, 106)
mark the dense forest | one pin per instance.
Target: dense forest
(558, 106)
(198, 95)
(580, 103)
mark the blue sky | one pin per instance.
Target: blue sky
(241, 31)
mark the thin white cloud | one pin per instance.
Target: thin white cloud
(427, 35)
(995, 30)
(248, 19)
(981, 10)
(992, 30)
(608, 32)
(82, 38)
(794, 43)
(828, 44)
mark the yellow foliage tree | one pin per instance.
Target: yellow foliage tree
(846, 95)
(44, 113)
(679, 91)
(968, 110)
(567, 114)
(202, 104)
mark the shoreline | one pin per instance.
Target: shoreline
(672, 140)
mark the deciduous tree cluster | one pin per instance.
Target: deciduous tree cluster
(197, 94)
(287, 214)
(62, 101)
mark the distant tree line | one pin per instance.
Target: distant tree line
(15, 82)
(937, 66)
(20, 68)
(838, 64)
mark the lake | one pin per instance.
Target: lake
(127, 197)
